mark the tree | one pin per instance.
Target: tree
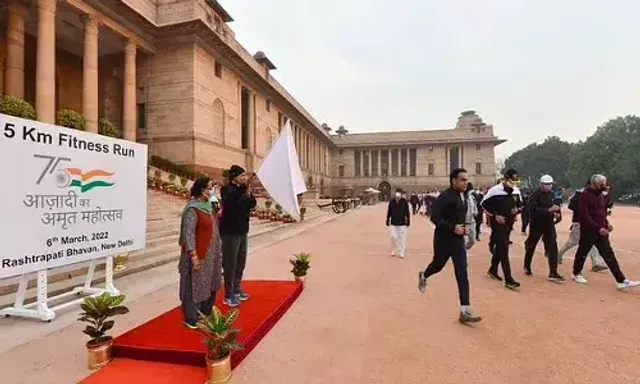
(551, 157)
(613, 150)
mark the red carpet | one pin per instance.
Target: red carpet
(165, 340)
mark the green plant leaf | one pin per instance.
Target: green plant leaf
(107, 325)
(232, 316)
(117, 311)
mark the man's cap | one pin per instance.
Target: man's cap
(546, 179)
(512, 175)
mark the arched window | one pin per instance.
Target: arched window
(218, 121)
(267, 139)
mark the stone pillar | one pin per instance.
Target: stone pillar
(90, 73)
(46, 62)
(14, 71)
(129, 91)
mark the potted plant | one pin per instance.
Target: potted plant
(97, 311)
(221, 339)
(300, 264)
(107, 128)
(71, 119)
(14, 106)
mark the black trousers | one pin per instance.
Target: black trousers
(478, 225)
(234, 259)
(589, 239)
(499, 243)
(525, 220)
(415, 207)
(451, 247)
(189, 308)
(550, 239)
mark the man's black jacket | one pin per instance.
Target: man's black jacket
(398, 213)
(449, 210)
(236, 206)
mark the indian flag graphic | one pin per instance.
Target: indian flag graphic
(84, 181)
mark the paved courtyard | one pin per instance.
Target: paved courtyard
(362, 320)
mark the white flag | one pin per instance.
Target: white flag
(280, 173)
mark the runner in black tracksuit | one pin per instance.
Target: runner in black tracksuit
(543, 212)
(501, 203)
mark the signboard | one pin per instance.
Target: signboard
(67, 196)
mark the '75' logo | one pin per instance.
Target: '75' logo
(52, 163)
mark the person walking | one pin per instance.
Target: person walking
(449, 215)
(525, 212)
(597, 263)
(415, 202)
(501, 204)
(200, 264)
(543, 211)
(470, 218)
(594, 231)
(237, 202)
(478, 196)
(398, 220)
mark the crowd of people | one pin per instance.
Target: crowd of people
(213, 238)
(458, 213)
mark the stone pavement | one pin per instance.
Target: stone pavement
(362, 320)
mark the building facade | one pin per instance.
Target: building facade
(415, 160)
(171, 74)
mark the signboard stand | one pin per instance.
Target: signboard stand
(40, 308)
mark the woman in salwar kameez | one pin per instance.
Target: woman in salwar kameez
(200, 263)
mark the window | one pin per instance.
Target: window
(267, 105)
(403, 162)
(142, 116)
(340, 152)
(209, 18)
(374, 163)
(217, 24)
(365, 161)
(430, 169)
(478, 168)
(394, 162)
(356, 159)
(384, 163)
(218, 69)
(478, 147)
(454, 158)
(341, 171)
(413, 155)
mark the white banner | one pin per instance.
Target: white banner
(280, 173)
(67, 196)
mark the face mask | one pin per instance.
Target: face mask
(605, 192)
(212, 197)
(398, 195)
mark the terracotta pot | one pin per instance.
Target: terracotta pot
(219, 371)
(99, 355)
(300, 278)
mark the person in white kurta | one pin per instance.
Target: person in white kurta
(398, 221)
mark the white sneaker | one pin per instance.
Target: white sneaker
(579, 279)
(401, 256)
(628, 284)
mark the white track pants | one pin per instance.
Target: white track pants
(398, 239)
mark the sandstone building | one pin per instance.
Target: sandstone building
(415, 160)
(171, 74)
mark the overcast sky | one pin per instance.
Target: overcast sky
(532, 68)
